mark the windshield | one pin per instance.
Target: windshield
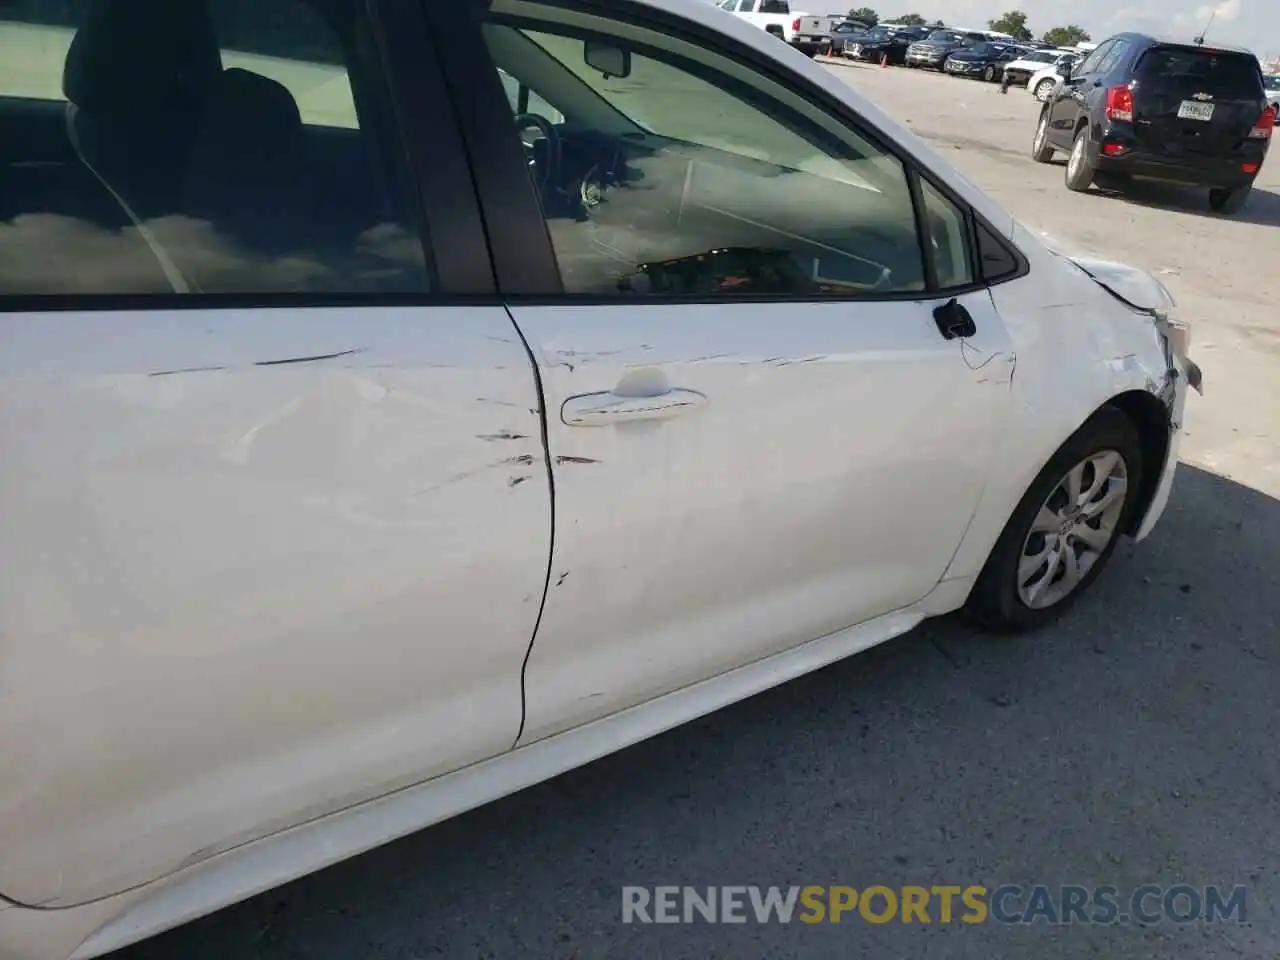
(945, 36)
(1208, 71)
(880, 33)
(1272, 80)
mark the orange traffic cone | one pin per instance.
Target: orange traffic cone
(884, 61)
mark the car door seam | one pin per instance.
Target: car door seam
(551, 540)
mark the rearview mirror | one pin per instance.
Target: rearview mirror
(610, 60)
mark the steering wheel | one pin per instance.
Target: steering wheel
(548, 166)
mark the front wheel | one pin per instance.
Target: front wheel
(1043, 89)
(1065, 529)
(989, 74)
(1229, 201)
(1080, 167)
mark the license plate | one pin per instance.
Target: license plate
(1191, 110)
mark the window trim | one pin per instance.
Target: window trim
(469, 67)
(414, 85)
(435, 155)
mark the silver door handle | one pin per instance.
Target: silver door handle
(606, 409)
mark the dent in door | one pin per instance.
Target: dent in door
(827, 479)
(298, 570)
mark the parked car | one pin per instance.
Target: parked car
(386, 437)
(1042, 82)
(983, 60)
(817, 35)
(1020, 71)
(1138, 106)
(883, 43)
(931, 52)
(772, 16)
(1271, 82)
(845, 31)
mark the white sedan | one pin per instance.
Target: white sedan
(1042, 82)
(399, 409)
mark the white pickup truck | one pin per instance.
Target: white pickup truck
(774, 16)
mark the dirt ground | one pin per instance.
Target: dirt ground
(1225, 272)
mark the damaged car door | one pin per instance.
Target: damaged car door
(276, 521)
(768, 413)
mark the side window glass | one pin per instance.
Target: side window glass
(997, 262)
(746, 6)
(289, 42)
(775, 6)
(220, 150)
(1090, 63)
(695, 175)
(523, 100)
(948, 239)
(1119, 50)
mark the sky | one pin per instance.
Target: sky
(1249, 23)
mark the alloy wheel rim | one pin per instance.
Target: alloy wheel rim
(1042, 92)
(1072, 529)
(1077, 155)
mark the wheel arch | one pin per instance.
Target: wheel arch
(1151, 418)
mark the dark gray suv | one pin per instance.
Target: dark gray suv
(1141, 107)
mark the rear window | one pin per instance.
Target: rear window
(1208, 71)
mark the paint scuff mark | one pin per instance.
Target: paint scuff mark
(516, 481)
(563, 460)
(525, 459)
(501, 435)
(456, 478)
(966, 349)
(496, 403)
(564, 576)
(310, 359)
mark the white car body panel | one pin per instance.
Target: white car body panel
(192, 537)
(299, 505)
(726, 551)
(97, 928)
(1063, 312)
(1036, 65)
(1048, 73)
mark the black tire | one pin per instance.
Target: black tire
(1079, 176)
(1229, 201)
(1041, 149)
(994, 602)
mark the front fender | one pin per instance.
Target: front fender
(1078, 346)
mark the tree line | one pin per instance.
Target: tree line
(1013, 23)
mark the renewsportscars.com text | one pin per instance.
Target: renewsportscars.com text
(972, 904)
